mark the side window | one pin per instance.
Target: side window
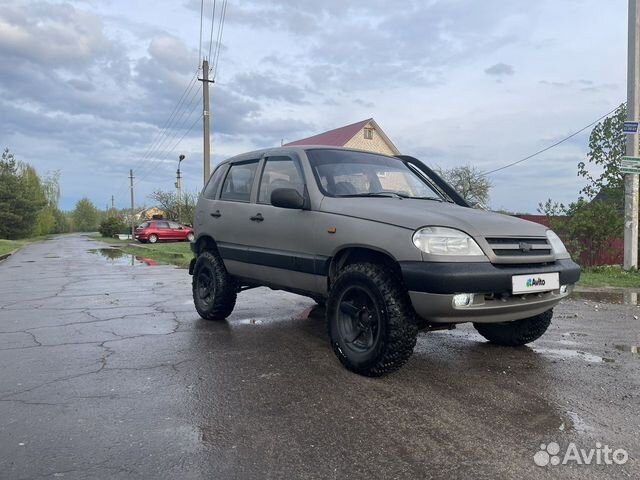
(279, 172)
(237, 185)
(174, 225)
(162, 225)
(212, 187)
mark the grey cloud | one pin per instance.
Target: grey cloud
(268, 86)
(500, 69)
(57, 35)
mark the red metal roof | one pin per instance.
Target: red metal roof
(337, 137)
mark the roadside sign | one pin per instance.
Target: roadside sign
(630, 165)
(630, 128)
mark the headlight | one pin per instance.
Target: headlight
(445, 241)
(556, 244)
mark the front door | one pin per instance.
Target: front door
(280, 239)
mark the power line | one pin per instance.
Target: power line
(161, 136)
(200, 42)
(173, 148)
(213, 16)
(219, 39)
(161, 152)
(550, 146)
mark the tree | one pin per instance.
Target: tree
(85, 216)
(168, 202)
(588, 225)
(112, 225)
(469, 183)
(606, 148)
(21, 197)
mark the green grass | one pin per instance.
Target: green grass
(7, 246)
(176, 253)
(609, 276)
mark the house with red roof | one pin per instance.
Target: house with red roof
(363, 135)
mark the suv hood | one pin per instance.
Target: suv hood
(413, 214)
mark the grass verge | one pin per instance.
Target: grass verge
(7, 246)
(609, 276)
(176, 253)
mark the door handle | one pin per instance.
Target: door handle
(257, 217)
(216, 214)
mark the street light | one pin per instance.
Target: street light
(179, 184)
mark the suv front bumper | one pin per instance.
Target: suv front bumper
(432, 287)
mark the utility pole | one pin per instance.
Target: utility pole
(131, 177)
(205, 116)
(179, 186)
(631, 179)
(113, 207)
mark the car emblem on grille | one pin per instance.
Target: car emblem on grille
(525, 247)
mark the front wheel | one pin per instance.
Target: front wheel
(517, 333)
(190, 237)
(214, 290)
(370, 318)
(153, 238)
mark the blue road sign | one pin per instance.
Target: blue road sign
(630, 128)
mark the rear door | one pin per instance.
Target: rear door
(176, 231)
(162, 230)
(231, 215)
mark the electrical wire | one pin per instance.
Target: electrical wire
(550, 146)
(219, 39)
(200, 42)
(213, 16)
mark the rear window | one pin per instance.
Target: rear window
(144, 225)
(237, 185)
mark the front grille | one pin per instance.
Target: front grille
(519, 247)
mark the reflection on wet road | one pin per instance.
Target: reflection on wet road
(107, 372)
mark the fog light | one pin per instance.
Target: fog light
(563, 289)
(462, 299)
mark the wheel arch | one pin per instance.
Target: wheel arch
(205, 243)
(349, 254)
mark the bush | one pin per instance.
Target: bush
(111, 226)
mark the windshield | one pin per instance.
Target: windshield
(343, 173)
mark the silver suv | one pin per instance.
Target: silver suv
(389, 246)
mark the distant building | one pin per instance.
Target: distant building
(363, 135)
(150, 213)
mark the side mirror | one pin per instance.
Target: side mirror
(287, 198)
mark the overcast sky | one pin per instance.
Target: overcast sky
(86, 86)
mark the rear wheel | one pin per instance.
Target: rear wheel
(153, 238)
(214, 290)
(519, 332)
(370, 319)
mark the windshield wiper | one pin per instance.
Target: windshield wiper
(374, 194)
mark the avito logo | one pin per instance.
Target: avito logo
(535, 282)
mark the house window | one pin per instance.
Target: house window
(368, 133)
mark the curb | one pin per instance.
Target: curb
(4, 256)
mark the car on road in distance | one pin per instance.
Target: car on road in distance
(153, 231)
(387, 244)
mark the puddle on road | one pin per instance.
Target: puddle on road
(628, 348)
(565, 354)
(616, 298)
(115, 256)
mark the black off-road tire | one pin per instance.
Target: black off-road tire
(397, 330)
(515, 334)
(210, 274)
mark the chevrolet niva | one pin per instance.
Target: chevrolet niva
(389, 245)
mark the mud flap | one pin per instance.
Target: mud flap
(192, 264)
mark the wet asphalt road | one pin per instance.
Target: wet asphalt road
(107, 372)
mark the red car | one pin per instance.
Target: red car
(155, 230)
